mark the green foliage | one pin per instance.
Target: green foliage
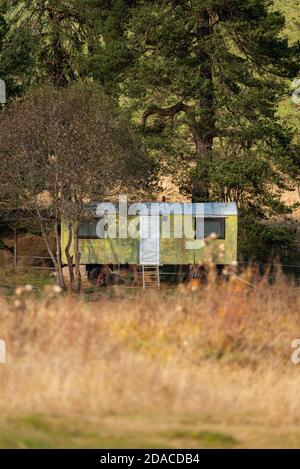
(249, 179)
(263, 241)
(290, 9)
(58, 30)
(75, 38)
(17, 50)
(109, 54)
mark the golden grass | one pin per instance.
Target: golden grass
(221, 352)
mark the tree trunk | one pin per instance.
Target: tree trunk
(60, 275)
(56, 261)
(70, 258)
(59, 63)
(204, 128)
(77, 258)
(15, 248)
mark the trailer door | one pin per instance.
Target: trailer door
(149, 240)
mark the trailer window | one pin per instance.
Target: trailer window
(87, 230)
(211, 225)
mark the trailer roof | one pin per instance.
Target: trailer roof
(208, 209)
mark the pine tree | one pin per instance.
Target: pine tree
(221, 65)
(110, 55)
(17, 50)
(58, 29)
(209, 79)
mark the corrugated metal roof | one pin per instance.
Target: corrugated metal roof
(220, 208)
(209, 209)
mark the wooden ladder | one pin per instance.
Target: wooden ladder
(151, 277)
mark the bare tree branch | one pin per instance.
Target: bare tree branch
(164, 112)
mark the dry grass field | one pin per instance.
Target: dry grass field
(196, 366)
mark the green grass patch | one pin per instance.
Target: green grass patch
(40, 431)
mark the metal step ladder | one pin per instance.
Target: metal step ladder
(151, 278)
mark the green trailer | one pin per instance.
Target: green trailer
(185, 234)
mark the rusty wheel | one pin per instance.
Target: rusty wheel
(99, 276)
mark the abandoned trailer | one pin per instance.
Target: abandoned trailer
(169, 239)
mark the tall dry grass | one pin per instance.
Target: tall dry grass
(222, 351)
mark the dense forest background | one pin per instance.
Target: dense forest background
(207, 85)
